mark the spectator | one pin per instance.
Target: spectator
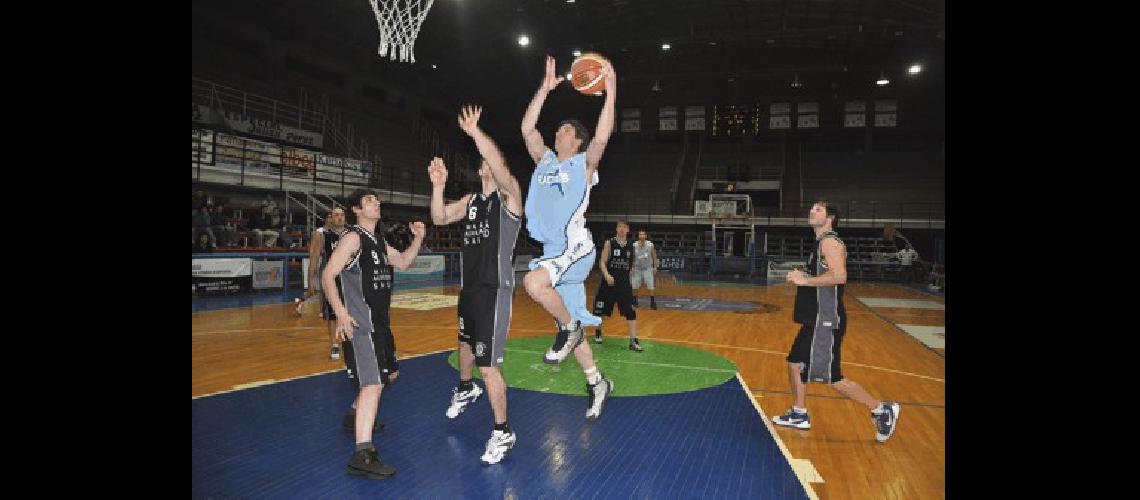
(218, 227)
(938, 277)
(200, 221)
(262, 226)
(202, 243)
(200, 199)
(907, 256)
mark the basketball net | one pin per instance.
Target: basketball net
(399, 22)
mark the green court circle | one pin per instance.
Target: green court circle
(661, 369)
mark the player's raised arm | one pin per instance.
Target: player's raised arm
(605, 121)
(508, 185)
(402, 260)
(533, 139)
(442, 214)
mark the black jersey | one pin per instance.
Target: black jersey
(810, 300)
(366, 282)
(621, 259)
(331, 238)
(489, 234)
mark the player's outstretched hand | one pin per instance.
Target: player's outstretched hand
(437, 172)
(469, 118)
(418, 229)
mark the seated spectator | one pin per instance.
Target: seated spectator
(200, 221)
(218, 227)
(266, 236)
(200, 199)
(202, 243)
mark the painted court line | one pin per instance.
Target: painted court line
(804, 479)
(900, 372)
(892, 323)
(262, 383)
(901, 303)
(646, 363)
(933, 336)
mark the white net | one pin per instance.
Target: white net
(399, 23)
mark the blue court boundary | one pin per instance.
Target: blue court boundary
(284, 440)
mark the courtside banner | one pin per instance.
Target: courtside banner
(425, 267)
(268, 274)
(670, 262)
(222, 275)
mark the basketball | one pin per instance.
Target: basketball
(587, 74)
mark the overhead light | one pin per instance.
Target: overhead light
(434, 67)
(656, 86)
(914, 69)
(882, 79)
(796, 82)
(712, 42)
(665, 46)
(577, 53)
(569, 1)
(524, 40)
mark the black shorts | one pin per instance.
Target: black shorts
(801, 350)
(385, 345)
(620, 293)
(484, 318)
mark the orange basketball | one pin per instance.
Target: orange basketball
(587, 74)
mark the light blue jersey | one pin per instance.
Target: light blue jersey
(557, 200)
(556, 216)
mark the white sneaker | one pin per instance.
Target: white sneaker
(334, 352)
(598, 394)
(460, 400)
(564, 343)
(497, 446)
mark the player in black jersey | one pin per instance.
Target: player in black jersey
(321, 246)
(814, 356)
(615, 287)
(491, 222)
(364, 262)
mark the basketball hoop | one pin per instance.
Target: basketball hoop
(399, 23)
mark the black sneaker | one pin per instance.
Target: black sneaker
(653, 303)
(598, 336)
(366, 463)
(349, 423)
(635, 346)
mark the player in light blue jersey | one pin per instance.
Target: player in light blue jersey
(555, 209)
